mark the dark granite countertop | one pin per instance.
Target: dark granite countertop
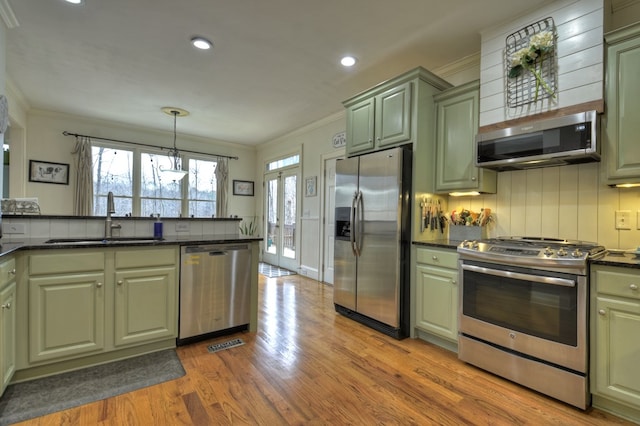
(39, 243)
(622, 258)
(441, 243)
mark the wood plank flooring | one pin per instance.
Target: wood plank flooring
(307, 365)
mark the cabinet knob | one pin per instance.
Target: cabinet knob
(120, 282)
(12, 272)
(6, 305)
(435, 257)
(473, 178)
(602, 312)
(633, 287)
(98, 284)
(454, 281)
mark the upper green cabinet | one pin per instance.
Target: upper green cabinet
(457, 115)
(389, 114)
(620, 125)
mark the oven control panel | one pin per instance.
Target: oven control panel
(514, 251)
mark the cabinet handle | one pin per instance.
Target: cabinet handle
(633, 287)
(120, 282)
(6, 306)
(99, 285)
(602, 312)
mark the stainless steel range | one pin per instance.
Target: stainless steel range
(524, 312)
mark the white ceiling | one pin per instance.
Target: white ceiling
(274, 67)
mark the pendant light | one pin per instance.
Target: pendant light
(175, 173)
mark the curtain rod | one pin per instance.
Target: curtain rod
(151, 146)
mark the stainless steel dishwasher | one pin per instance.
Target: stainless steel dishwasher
(215, 290)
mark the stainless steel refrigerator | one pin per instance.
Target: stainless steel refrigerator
(371, 256)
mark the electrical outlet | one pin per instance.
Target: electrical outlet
(623, 219)
(182, 227)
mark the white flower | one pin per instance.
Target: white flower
(541, 40)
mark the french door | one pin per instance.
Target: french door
(281, 214)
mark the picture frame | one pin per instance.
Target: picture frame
(311, 186)
(243, 187)
(48, 172)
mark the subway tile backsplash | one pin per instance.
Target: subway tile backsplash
(17, 228)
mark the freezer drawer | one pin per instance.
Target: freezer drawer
(215, 285)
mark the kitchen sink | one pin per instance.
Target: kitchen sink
(112, 240)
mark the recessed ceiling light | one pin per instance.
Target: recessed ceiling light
(348, 61)
(201, 43)
(74, 1)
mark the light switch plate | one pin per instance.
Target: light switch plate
(13, 228)
(623, 219)
(638, 219)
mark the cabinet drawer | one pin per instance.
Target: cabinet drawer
(444, 258)
(142, 258)
(7, 271)
(74, 261)
(616, 283)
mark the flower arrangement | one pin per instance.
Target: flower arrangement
(530, 58)
(463, 217)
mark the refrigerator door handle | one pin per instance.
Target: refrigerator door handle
(358, 223)
(352, 219)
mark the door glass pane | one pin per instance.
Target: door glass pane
(289, 230)
(272, 216)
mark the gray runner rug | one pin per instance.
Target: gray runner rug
(23, 401)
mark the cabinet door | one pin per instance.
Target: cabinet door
(393, 116)
(617, 349)
(66, 315)
(145, 305)
(437, 301)
(457, 112)
(7, 333)
(360, 129)
(621, 127)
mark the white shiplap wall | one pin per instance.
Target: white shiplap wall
(561, 202)
(579, 26)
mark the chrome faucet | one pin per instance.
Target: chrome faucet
(108, 225)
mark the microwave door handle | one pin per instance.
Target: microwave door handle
(520, 276)
(352, 219)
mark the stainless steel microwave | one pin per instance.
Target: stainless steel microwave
(557, 141)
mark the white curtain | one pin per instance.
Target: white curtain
(222, 180)
(83, 205)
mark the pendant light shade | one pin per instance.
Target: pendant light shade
(174, 173)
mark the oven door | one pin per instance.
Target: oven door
(536, 313)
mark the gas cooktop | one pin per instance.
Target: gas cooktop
(531, 251)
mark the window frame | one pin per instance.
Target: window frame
(137, 151)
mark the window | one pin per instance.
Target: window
(139, 188)
(283, 162)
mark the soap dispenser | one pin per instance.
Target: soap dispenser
(157, 228)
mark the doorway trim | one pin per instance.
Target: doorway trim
(341, 153)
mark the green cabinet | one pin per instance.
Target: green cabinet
(615, 348)
(92, 301)
(7, 321)
(620, 125)
(145, 296)
(436, 289)
(388, 115)
(457, 115)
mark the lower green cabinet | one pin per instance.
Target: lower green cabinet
(436, 305)
(84, 303)
(615, 347)
(7, 321)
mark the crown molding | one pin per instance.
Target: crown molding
(458, 66)
(6, 12)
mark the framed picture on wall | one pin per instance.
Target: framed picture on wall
(310, 186)
(243, 187)
(46, 172)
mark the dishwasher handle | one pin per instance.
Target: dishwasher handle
(218, 253)
(217, 249)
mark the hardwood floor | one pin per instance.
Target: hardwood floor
(308, 365)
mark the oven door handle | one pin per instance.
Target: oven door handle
(520, 276)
